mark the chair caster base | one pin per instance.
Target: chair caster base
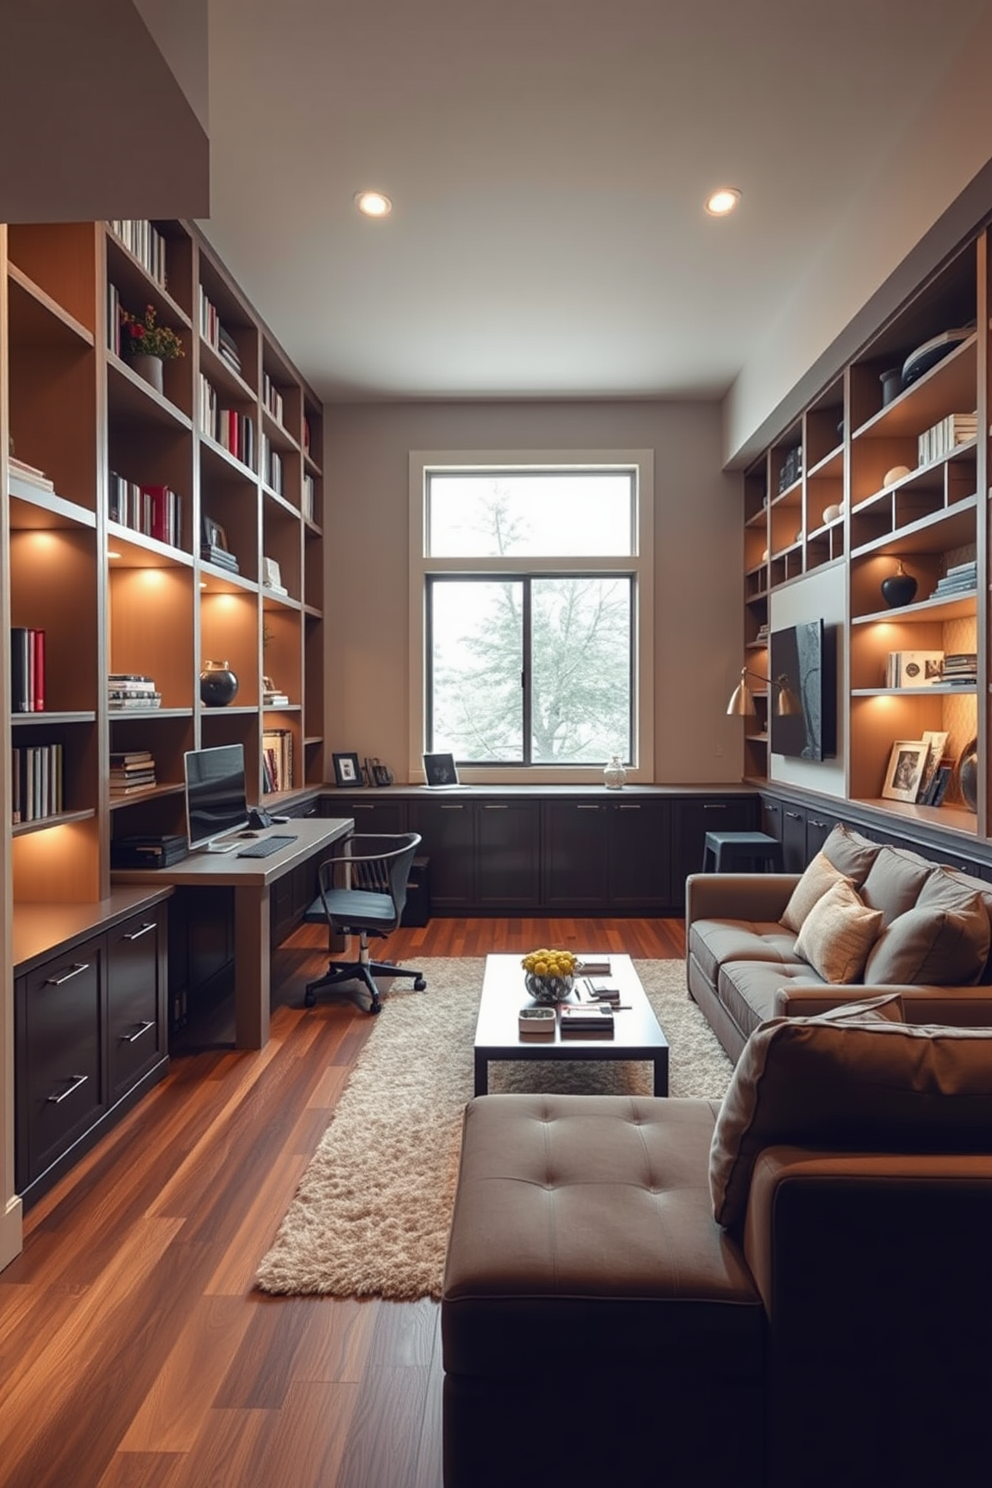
(420, 984)
(376, 1007)
(309, 998)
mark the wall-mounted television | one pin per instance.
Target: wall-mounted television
(803, 658)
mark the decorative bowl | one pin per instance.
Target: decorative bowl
(548, 989)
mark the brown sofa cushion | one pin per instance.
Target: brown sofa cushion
(894, 883)
(838, 933)
(850, 1080)
(932, 945)
(948, 888)
(850, 853)
(819, 876)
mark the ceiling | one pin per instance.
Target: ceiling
(548, 161)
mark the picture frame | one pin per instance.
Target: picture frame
(214, 535)
(936, 742)
(440, 770)
(347, 771)
(906, 764)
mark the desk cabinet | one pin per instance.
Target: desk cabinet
(697, 815)
(448, 831)
(507, 855)
(575, 855)
(640, 856)
(90, 1036)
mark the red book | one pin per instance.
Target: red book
(160, 498)
(37, 671)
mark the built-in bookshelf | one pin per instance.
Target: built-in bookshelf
(137, 527)
(885, 477)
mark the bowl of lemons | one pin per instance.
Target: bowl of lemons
(549, 975)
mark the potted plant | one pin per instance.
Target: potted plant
(147, 345)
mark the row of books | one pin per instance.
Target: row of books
(113, 319)
(941, 439)
(960, 669)
(962, 578)
(272, 398)
(131, 691)
(36, 782)
(277, 760)
(271, 466)
(234, 431)
(216, 335)
(27, 669)
(155, 511)
(131, 772)
(309, 493)
(146, 243)
(931, 669)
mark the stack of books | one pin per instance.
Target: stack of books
(961, 669)
(147, 852)
(27, 669)
(30, 473)
(210, 553)
(576, 1020)
(131, 771)
(131, 690)
(274, 699)
(956, 428)
(961, 579)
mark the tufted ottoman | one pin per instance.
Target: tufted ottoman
(598, 1326)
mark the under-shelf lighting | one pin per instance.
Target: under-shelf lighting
(373, 203)
(722, 201)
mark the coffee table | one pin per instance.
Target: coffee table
(637, 1033)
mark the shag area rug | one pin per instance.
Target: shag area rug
(372, 1211)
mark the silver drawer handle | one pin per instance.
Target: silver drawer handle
(814, 823)
(132, 1038)
(630, 808)
(144, 929)
(360, 806)
(74, 971)
(453, 807)
(587, 808)
(490, 807)
(76, 1081)
(793, 815)
(714, 806)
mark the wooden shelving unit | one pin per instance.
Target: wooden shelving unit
(869, 496)
(109, 596)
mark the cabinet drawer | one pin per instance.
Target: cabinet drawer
(60, 1044)
(135, 997)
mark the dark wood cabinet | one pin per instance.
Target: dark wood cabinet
(640, 855)
(576, 875)
(90, 1035)
(697, 815)
(794, 857)
(370, 812)
(507, 855)
(447, 828)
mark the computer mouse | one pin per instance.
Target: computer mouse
(249, 834)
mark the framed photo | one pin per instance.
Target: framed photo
(440, 769)
(936, 743)
(347, 770)
(906, 765)
(214, 535)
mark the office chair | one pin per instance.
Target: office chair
(363, 892)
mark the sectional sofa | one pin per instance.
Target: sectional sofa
(864, 918)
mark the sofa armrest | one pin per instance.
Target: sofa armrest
(737, 896)
(955, 1007)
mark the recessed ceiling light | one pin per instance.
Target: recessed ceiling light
(723, 201)
(373, 203)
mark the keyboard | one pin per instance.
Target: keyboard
(264, 847)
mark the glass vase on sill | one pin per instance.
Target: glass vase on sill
(615, 773)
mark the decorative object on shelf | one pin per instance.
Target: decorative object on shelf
(831, 512)
(347, 770)
(376, 773)
(147, 345)
(549, 975)
(765, 555)
(213, 545)
(914, 668)
(931, 352)
(615, 773)
(936, 742)
(271, 695)
(966, 771)
(906, 765)
(272, 577)
(742, 698)
(218, 684)
(899, 588)
(897, 473)
(891, 381)
(440, 769)
(791, 468)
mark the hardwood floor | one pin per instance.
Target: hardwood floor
(133, 1349)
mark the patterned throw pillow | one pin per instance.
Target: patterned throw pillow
(820, 876)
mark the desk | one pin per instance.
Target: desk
(250, 879)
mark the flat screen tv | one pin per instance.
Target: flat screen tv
(803, 658)
(216, 802)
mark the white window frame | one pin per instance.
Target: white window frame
(640, 564)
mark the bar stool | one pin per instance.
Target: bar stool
(749, 852)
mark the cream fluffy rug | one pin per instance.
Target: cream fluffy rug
(371, 1215)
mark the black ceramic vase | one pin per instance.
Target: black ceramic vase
(218, 684)
(899, 588)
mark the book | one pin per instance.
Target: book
(575, 1018)
(914, 668)
(594, 964)
(20, 669)
(129, 757)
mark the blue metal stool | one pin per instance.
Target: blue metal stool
(748, 852)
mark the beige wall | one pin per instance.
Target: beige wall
(697, 562)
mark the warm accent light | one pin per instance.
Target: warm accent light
(723, 201)
(373, 203)
(112, 554)
(741, 702)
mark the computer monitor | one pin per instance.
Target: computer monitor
(216, 800)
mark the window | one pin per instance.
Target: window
(530, 621)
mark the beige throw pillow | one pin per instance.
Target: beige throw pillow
(852, 1081)
(820, 876)
(932, 946)
(838, 933)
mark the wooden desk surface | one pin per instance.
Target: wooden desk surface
(227, 870)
